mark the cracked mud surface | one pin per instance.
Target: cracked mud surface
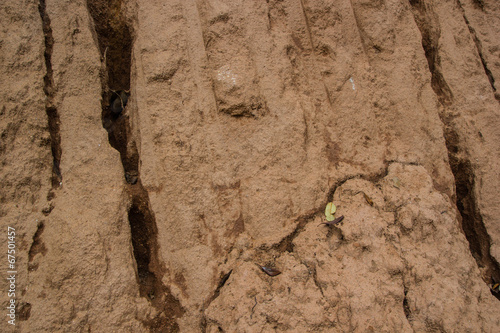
(243, 120)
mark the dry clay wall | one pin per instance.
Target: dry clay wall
(243, 119)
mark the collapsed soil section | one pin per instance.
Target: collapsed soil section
(167, 165)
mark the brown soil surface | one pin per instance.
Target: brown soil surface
(243, 120)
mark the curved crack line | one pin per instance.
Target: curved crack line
(286, 243)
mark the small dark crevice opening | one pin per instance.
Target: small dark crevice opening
(24, 311)
(406, 306)
(142, 227)
(37, 246)
(49, 90)
(222, 282)
(479, 4)
(286, 244)
(114, 39)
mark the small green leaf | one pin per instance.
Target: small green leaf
(330, 218)
(328, 209)
(334, 209)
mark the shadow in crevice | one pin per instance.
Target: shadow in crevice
(428, 24)
(50, 108)
(478, 44)
(37, 246)
(471, 219)
(115, 43)
(149, 268)
(460, 164)
(222, 282)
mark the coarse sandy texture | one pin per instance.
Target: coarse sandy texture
(244, 119)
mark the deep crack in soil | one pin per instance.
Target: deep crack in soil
(115, 44)
(460, 164)
(51, 110)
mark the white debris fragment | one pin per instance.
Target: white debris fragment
(225, 74)
(352, 82)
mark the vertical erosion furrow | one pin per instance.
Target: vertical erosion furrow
(220, 35)
(206, 42)
(115, 44)
(50, 109)
(460, 164)
(308, 26)
(479, 48)
(406, 306)
(430, 30)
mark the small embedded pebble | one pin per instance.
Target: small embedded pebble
(130, 178)
(118, 102)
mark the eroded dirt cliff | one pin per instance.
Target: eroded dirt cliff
(155, 153)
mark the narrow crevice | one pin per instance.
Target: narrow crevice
(406, 306)
(470, 216)
(308, 26)
(203, 324)
(149, 268)
(286, 244)
(115, 44)
(460, 164)
(428, 24)
(314, 272)
(37, 246)
(363, 38)
(477, 42)
(222, 282)
(49, 90)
